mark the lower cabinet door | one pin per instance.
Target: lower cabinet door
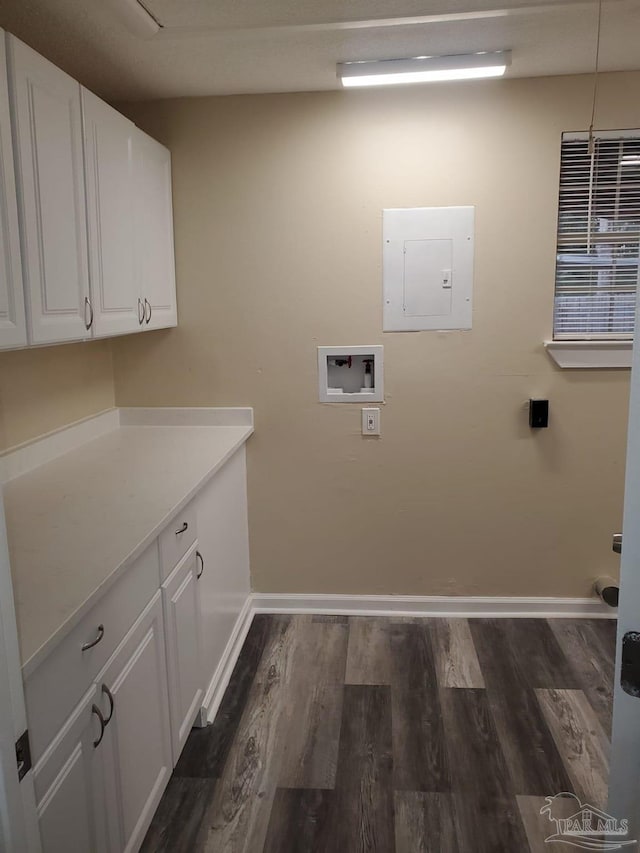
(134, 699)
(69, 784)
(181, 599)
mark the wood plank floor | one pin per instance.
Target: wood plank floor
(346, 735)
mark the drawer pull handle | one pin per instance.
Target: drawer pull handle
(140, 305)
(95, 710)
(184, 527)
(201, 558)
(112, 703)
(147, 304)
(99, 636)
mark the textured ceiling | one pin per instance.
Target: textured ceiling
(235, 46)
(256, 13)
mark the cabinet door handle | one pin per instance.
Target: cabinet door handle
(201, 558)
(87, 304)
(184, 527)
(112, 703)
(140, 316)
(147, 304)
(95, 710)
(86, 646)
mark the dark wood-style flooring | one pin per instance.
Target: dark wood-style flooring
(342, 735)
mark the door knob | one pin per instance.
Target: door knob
(617, 543)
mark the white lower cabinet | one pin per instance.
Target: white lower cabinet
(223, 541)
(137, 741)
(69, 783)
(100, 781)
(181, 599)
(100, 775)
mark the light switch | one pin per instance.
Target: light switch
(371, 421)
(446, 279)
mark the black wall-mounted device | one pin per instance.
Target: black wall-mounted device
(538, 414)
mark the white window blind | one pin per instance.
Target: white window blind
(598, 237)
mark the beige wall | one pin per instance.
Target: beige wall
(278, 205)
(46, 388)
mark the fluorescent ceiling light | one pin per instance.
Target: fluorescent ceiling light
(424, 69)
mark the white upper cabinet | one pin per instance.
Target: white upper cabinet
(13, 331)
(108, 147)
(87, 251)
(50, 177)
(155, 264)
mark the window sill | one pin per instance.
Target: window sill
(591, 354)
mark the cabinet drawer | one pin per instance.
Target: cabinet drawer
(56, 686)
(176, 539)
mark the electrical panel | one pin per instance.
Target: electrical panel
(428, 268)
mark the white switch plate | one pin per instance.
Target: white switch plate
(371, 421)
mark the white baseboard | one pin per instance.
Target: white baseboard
(220, 680)
(432, 605)
(390, 605)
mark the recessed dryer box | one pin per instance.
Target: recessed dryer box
(350, 374)
(427, 268)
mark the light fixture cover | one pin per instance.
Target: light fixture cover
(424, 69)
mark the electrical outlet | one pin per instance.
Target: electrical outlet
(371, 421)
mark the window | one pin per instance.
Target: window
(598, 237)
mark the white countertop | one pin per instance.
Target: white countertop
(76, 522)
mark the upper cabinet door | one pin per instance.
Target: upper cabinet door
(108, 149)
(50, 177)
(13, 331)
(154, 232)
